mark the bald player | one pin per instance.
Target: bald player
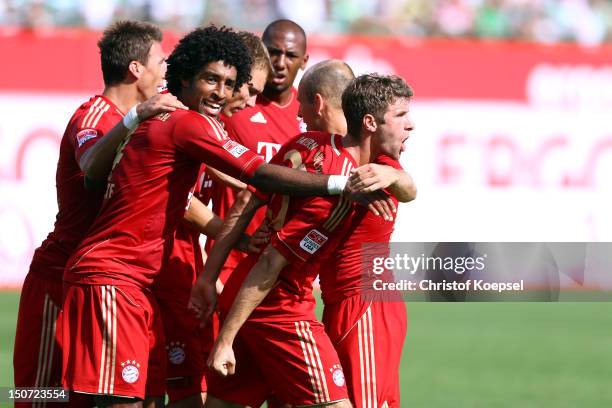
(273, 120)
(367, 331)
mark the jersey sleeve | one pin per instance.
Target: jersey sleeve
(309, 230)
(90, 131)
(202, 139)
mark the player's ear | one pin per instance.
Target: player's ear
(135, 68)
(318, 103)
(369, 123)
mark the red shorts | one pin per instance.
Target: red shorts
(369, 337)
(109, 335)
(295, 361)
(187, 347)
(37, 356)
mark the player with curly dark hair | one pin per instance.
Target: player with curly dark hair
(204, 48)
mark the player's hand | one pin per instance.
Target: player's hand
(378, 202)
(203, 300)
(260, 238)
(371, 177)
(222, 360)
(160, 103)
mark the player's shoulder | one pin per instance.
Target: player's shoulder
(187, 118)
(317, 141)
(388, 161)
(97, 112)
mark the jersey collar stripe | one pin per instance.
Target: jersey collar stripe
(92, 109)
(333, 143)
(309, 365)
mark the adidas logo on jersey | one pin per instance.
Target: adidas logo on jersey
(258, 118)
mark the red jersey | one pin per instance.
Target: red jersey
(147, 193)
(263, 128)
(77, 207)
(307, 230)
(182, 265)
(348, 271)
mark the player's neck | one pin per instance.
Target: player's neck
(335, 122)
(281, 99)
(359, 148)
(124, 96)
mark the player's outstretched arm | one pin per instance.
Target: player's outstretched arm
(371, 177)
(258, 283)
(273, 178)
(203, 294)
(97, 161)
(283, 180)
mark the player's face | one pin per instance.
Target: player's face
(288, 54)
(395, 130)
(307, 111)
(247, 94)
(153, 72)
(210, 89)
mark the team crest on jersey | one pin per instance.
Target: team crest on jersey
(130, 371)
(313, 241)
(235, 148)
(337, 375)
(85, 135)
(176, 352)
(258, 118)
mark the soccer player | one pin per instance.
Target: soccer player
(272, 317)
(112, 324)
(186, 344)
(367, 330)
(133, 66)
(273, 120)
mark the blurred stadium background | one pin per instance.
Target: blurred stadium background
(511, 144)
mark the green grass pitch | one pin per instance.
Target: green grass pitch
(478, 354)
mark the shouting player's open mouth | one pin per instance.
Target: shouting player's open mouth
(403, 147)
